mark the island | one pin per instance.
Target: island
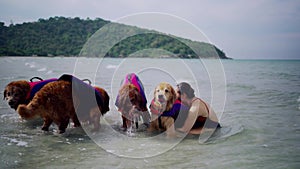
(61, 36)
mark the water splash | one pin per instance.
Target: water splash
(298, 100)
(15, 141)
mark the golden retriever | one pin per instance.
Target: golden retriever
(64, 99)
(164, 98)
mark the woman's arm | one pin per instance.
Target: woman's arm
(191, 119)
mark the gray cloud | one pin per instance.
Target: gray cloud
(243, 29)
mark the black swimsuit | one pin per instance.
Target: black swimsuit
(201, 121)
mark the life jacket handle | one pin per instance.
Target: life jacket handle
(38, 78)
(88, 80)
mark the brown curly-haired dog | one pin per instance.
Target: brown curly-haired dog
(58, 102)
(130, 104)
(53, 103)
(22, 91)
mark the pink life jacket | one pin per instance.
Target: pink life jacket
(132, 78)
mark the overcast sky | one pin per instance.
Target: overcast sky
(242, 29)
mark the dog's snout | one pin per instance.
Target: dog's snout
(160, 96)
(11, 102)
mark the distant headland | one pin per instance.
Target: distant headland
(61, 36)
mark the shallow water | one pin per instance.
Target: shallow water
(260, 119)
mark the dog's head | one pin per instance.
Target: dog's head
(164, 96)
(130, 99)
(105, 98)
(15, 93)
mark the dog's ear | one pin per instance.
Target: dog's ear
(4, 94)
(155, 93)
(173, 94)
(122, 97)
(172, 98)
(140, 101)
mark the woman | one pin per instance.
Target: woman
(200, 114)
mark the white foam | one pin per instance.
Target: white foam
(42, 69)
(82, 149)
(111, 151)
(17, 142)
(22, 143)
(49, 72)
(30, 64)
(111, 66)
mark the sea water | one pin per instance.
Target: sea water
(257, 103)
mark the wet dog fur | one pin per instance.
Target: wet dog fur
(56, 103)
(164, 98)
(131, 105)
(15, 93)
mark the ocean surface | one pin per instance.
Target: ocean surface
(257, 103)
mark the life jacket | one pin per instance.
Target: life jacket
(36, 86)
(85, 93)
(170, 113)
(178, 112)
(83, 90)
(132, 78)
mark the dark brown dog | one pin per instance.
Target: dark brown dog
(105, 98)
(130, 104)
(61, 100)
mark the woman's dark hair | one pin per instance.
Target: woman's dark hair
(186, 88)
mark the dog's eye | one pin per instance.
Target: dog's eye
(166, 90)
(157, 90)
(132, 100)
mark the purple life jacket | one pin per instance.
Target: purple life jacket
(36, 86)
(88, 96)
(178, 112)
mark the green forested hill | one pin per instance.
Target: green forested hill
(60, 36)
(54, 36)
